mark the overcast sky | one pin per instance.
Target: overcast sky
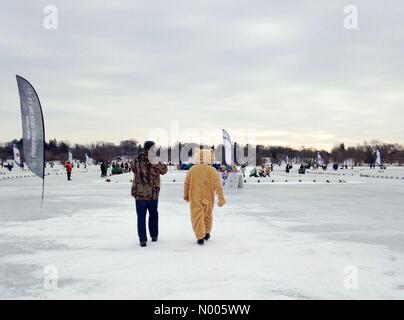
(288, 69)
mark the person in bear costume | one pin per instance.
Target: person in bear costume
(201, 184)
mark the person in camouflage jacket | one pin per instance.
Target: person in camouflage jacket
(145, 189)
(146, 178)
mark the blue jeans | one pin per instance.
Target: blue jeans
(141, 209)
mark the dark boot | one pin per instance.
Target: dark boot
(207, 236)
(154, 239)
(143, 244)
(200, 242)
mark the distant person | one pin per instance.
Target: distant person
(69, 168)
(243, 167)
(145, 189)
(9, 166)
(269, 170)
(116, 169)
(103, 168)
(335, 166)
(287, 168)
(201, 184)
(262, 172)
(254, 173)
(302, 169)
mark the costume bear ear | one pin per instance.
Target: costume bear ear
(196, 151)
(197, 155)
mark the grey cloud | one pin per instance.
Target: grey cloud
(121, 68)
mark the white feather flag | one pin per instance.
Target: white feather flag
(378, 161)
(227, 147)
(17, 157)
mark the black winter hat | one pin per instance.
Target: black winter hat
(148, 145)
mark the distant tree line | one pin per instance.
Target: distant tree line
(59, 150)
(392, 153)
(365, 153)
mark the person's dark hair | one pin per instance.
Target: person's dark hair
(148, 145)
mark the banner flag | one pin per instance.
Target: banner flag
(319, 159)
(17, 157)
(70, 157)
(227, 147)
(88, 160)
(378, 161)
(33, 129)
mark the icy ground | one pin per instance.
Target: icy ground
(272, 240)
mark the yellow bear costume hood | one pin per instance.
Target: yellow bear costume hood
(204, 156)
(201, 184)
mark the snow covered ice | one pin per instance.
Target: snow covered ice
(272, 240)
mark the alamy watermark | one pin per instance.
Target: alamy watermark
(351, 17)
(51, 277)
(243, 146)
(351, 277)
(50, 21)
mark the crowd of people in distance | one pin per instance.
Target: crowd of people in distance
(316, 166)
(264, 171)
(223, 168)
(9, 165)
(117, 167)
(373, 166)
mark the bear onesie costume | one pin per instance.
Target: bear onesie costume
(201, 184)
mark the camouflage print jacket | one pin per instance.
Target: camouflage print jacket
(146, 178)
